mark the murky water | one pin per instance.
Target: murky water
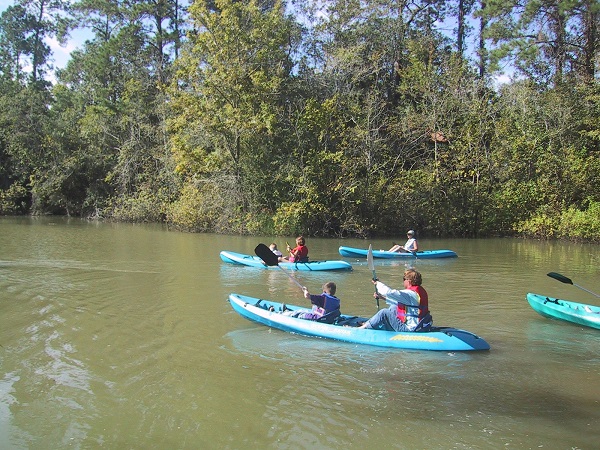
(121, 336)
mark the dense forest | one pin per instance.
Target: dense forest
(320, 117)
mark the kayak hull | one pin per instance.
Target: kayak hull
(255, 261)
(578, 313)
(351, 252)
(346, 328)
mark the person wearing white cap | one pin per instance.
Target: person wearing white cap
(410, 246)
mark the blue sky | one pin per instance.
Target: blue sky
(60, 54)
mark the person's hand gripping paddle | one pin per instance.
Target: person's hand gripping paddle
(371, 265)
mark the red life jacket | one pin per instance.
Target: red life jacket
(301, 254)
(423, 304)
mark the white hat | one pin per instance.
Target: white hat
(410, 232)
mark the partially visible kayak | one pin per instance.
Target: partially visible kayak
(579, 313)
(351, 252)
(255, 261)
(345, 328)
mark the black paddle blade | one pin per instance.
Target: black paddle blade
(559, 277)
(265, 253)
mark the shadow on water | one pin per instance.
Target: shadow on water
(274, 344)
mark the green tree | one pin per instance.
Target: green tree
(543, 39)
(227, 98)
(14, 43)
(26, 27)
(114, 160)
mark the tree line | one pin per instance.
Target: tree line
(320, 117)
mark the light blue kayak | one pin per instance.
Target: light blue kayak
(345, 328)
(351, 252)
(579, 313)
(255, 261)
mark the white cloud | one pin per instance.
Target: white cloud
(502, 79)
(60, 54)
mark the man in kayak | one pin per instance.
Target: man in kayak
(409, 307)
(322, 304)
(410, 246)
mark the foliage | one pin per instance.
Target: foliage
(572, 224)
(142, 206)
(332, 118)
(581, 224)
(202, 206)
(13, 200)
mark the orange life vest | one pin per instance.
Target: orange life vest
(405, 310)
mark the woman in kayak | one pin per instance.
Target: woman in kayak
(298, 253)
(409, 307)
(410, 246)
(322, 304)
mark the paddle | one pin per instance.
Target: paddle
(271, 259)
(372, 267)
(563, 279)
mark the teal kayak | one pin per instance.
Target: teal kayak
(255, 261)
(579, 313)
(345, 328)
(351, 252)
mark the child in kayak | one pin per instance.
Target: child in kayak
(275, 250)
(298, 253)
(322, 304)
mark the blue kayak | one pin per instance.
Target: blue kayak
(345, 328)
(255, 261)
(579, 313)
(351, 252)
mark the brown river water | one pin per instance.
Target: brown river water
(120, 336)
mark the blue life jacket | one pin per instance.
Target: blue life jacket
(331, 302)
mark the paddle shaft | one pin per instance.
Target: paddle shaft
(271, 259)
(371, 265)
(567, 280)
(291, 277)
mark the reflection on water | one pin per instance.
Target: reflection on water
(121, 336)
(555, 337)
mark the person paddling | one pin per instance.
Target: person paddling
(299, 253)
(409, 309)
(322, 304)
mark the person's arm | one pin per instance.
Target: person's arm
(317, 300)
(394, 296)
